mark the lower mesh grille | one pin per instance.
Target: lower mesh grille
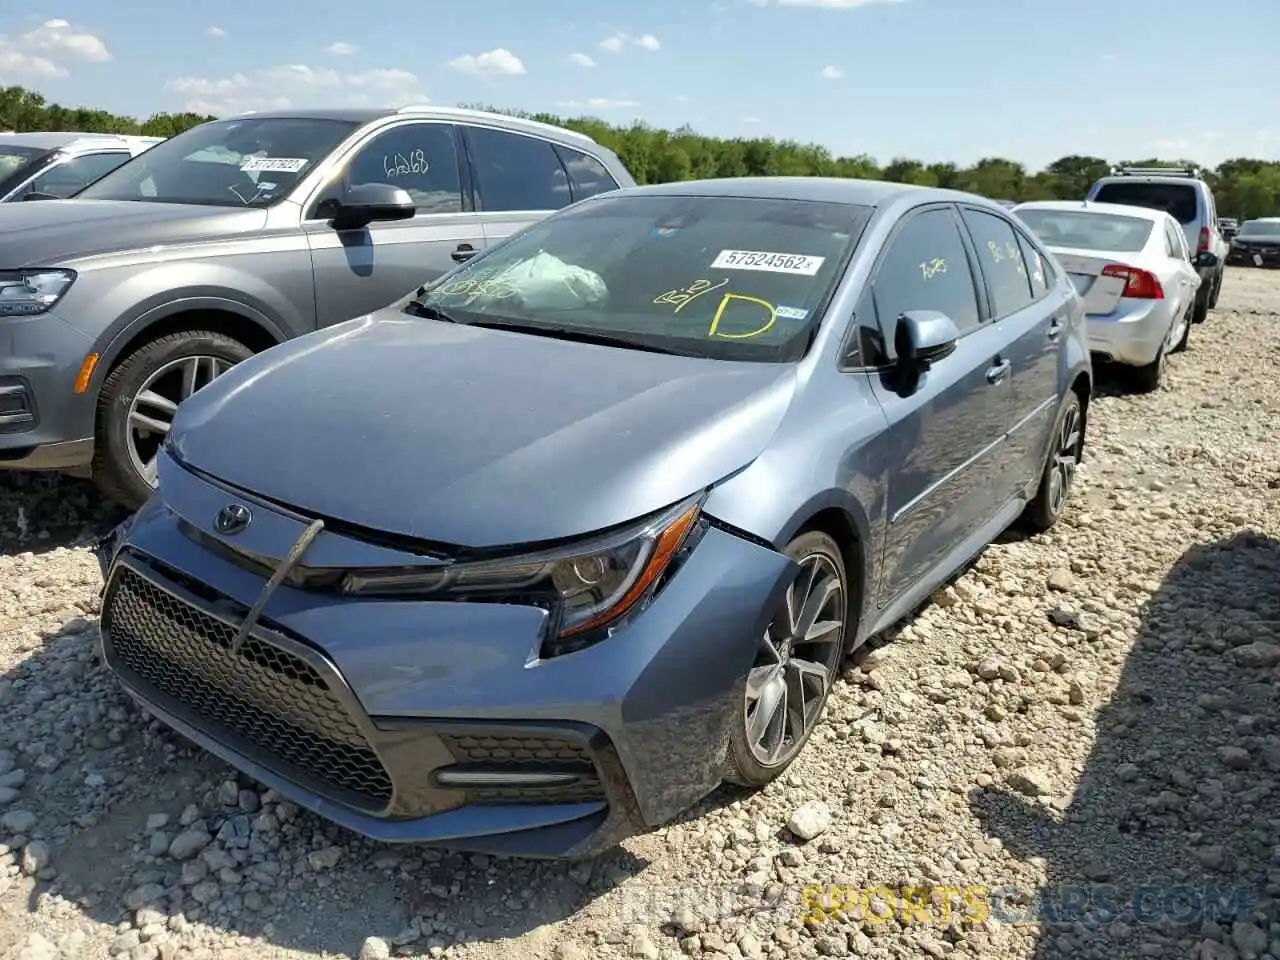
(260, 700)
(527, 754)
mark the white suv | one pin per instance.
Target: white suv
(1186, 196)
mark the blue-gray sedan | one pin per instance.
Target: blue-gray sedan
(538, 557)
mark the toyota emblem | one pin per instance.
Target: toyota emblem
(232, 519)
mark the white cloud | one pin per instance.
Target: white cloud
(596, 103)
(581, 59)
(499, 62)
(832, 73)
(58, 37)
(750, 119)
(297, 85)
(615, 43)
(833, 4)
(16, 64)
(341, 48)
(216, 32)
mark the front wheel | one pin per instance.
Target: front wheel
(138, 401)
(796, 663)
(1066, 449)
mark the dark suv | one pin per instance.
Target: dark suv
(233, 236)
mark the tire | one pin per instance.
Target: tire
(1057, 475)
(114, 470)
(1200, 313)
(1217, 289)
(1148, 378)
(747, 764)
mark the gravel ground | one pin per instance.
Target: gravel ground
(1082, 721)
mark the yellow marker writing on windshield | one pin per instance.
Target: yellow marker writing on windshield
(713, 330)
(683, 297)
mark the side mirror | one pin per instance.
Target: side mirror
(1206, 259)
(923, 337)
(372, 202)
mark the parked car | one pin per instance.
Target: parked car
(1257, 243)
(234, 236)
(542, 556)
(1133, 269)
(1186, 196)
(54, 165)
(1229, 227)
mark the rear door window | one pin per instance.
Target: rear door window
(515, 172)
(587, 175)
(1176, 199)
(1001, 260)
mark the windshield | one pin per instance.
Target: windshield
(1176, 199)
(227, 163)
(718, 277)
(1088, 231)
(1260, 228)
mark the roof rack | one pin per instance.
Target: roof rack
(490, 115)
(1194, 173)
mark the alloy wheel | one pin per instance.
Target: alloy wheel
(796, 663)
(1066, 457)
(151, 411)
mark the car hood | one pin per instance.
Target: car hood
(49, 233)
(476, 438)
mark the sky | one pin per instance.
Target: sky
(936, 80)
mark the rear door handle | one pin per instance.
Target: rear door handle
(463, 253)
(1055, 328)
(998, 372)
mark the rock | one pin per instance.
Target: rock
(1211, 858)
(810, 820)
(1257, 654)
(156, 821)
(18, 821)
(326, 859)
(1249, 940)
(189, 843)
(1031, 781)
(37, 947)
(1237, 758)
(375, 948)
(1061, 580)
(36, 856)
(143, 896)
(566, 950)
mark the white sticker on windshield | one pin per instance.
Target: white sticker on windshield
(796, 263)
(790, 313)
(274, 164)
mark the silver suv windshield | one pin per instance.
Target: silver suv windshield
(245, 162)
(1260, 228)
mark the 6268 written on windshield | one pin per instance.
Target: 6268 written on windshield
(770, 262)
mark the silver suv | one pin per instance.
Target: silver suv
(234, 236)
(54, 165)
(1186, 196)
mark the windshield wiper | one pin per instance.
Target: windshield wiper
(578, 335)
(420, 309)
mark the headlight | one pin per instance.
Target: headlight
(589, 586)
(24, 293)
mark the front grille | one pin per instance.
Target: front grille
(262, 700)
(527, 754)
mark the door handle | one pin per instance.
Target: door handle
(1055, 328)
(463, 252)
(998, 372)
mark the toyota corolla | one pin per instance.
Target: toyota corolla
(540, 556)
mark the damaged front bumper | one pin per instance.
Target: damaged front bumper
(430, 721)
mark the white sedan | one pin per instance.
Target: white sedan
(1132, 267)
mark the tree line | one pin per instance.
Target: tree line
(1244, 187)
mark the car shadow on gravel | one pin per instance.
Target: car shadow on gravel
(1172, 836)
(94, 794)
(40, 512)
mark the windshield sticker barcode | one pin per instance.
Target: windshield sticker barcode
(274, 164)
(796, 263)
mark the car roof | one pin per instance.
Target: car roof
(829, 189)
(62, 140)
(424, 111)
(1263, 220)
(1090, 206)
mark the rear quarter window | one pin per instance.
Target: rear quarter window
(1176, 199)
